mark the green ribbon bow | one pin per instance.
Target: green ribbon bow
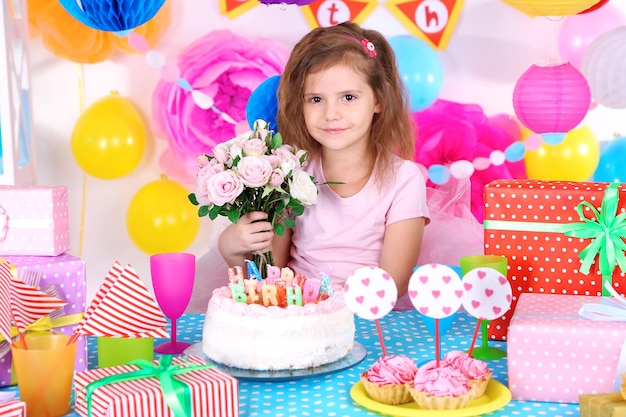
(607, 230)
(176, 393)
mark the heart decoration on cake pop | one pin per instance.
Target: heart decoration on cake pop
(371, 293)
(436, 292)
(487, 296)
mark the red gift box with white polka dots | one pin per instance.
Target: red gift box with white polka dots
(525, 222)
(555, 355)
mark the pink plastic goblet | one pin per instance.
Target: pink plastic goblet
(172, 279)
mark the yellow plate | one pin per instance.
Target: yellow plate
(495, 397)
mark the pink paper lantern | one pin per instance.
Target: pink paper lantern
(551, 99)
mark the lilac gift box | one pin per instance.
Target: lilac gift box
(34, 220)
(67, 274)
(555, 355)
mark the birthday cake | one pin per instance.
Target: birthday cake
(285, 322)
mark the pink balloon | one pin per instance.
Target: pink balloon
(578, 31)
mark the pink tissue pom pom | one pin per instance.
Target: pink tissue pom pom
(221, 65)
(447, 132)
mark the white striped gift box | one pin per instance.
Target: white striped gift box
(213, 393)
(12, 408)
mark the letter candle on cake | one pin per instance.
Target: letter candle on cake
(371, 293)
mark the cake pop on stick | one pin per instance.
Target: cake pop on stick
(436, 292)
(371, 293)
(487, 296)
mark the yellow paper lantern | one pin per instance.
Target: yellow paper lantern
(551, 7)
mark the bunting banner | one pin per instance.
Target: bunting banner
(430, 20)
(235, 8)
(326, 13)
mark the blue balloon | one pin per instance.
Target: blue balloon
(263, 103)
(112, 15)
(420, 69)
(611, 166)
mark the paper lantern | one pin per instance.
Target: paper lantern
(551, 7)
(112, 15)
(551, 99)
(604, 65)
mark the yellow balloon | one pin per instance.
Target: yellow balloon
(574, 159)
(109, 138)
(161, 219)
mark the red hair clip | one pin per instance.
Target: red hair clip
(369, 47)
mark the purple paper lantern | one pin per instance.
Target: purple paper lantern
(551, 99)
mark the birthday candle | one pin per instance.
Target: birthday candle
(269, 295)
(237, 293)
(326, 287)
(311, 290)
(294, 296)
(273, 273)
(251, 290)
(235, 275)
(281, 292)
(300, 279)
(253, 271)
(286, 274)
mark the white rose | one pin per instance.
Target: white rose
(287, 165)
(302, 187)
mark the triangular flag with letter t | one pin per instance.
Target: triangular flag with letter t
(326, 13)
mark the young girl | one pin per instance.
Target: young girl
(342, 99)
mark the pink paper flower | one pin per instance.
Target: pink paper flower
(225, 67)
(448, 132)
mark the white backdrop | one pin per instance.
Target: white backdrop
(493, 44)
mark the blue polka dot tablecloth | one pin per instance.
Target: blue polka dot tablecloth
(329, 395)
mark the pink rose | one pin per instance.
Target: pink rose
(202, 178)
(254, 147)
(224, 187)
(254, 171)
(220, 152)
(276, 179)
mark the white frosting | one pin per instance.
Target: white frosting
(272, 338)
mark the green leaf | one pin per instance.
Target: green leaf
(214, 212)
(203, 211)
(193, 199)
(277, 140)
(279, 229)
(233, 215)
(297, 211)
(289, 222)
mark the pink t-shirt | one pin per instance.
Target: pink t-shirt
(339, 235)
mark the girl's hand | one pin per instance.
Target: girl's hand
(250, 234)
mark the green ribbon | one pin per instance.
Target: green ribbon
(607, 229)
(176, 393)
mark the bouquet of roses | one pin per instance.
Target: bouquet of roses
(255, 171)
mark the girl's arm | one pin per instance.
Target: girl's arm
(250, 234)
(401, 249)
(281, 247)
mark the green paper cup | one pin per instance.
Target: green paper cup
(497, 262)
(113, 351)
(44, 373)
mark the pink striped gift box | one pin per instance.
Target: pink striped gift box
(12, 408)
(213, 393)
(34, 220)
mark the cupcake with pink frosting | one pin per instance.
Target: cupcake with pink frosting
(440, 387)
(388, 379)
(474, 370)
